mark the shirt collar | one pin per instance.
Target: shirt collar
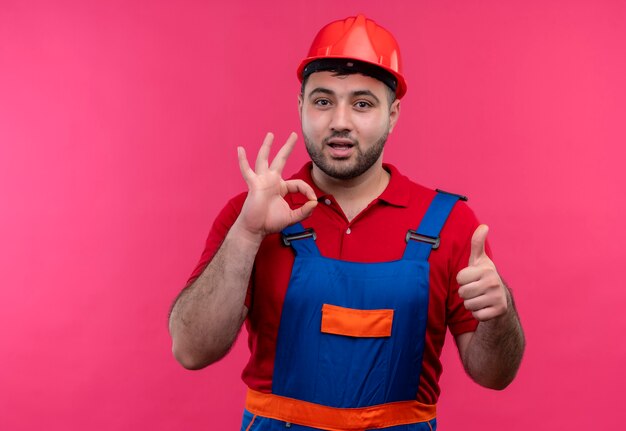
(397, 192)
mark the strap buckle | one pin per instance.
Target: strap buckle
(413, 235)
(307, 233)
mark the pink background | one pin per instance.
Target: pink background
(118, 127)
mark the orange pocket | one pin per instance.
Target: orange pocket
(356, 323)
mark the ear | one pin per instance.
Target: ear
(300, 101)
(394, 114)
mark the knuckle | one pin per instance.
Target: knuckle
(483, 315)
(462, 277)
(469, 305)
(479, 315)
(492, 279)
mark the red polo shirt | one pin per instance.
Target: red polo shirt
(377, 234)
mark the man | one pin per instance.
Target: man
(345, 301)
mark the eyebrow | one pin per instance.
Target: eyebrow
(366, 93)
(353, 94)
(321, 90)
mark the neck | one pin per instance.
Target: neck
(355, 194)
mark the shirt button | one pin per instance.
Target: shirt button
(348, 231)
(327, 201)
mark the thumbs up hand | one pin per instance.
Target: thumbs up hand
(480, 286)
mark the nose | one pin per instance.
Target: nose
(342, 118)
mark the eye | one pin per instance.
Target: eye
(322, 102)
(363, 104)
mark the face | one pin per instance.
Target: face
(345, 122)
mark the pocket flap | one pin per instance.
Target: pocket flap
(356, 323)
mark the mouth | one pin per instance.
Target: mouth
(338, 145)
(340, 148)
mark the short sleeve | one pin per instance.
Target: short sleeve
(462, 224)
(222, 224)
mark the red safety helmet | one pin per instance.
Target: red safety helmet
(358, 38)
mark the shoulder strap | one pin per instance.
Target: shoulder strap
(426, 238)
(301, 240)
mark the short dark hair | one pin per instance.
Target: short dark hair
(342, 67)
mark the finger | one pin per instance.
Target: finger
(469, 275)
(303, 212)
(488, 313)
(478, 303)
(244, 166)
(283, 154)
(478, 244)
(264, 154)
(471, 290)
(299, 186)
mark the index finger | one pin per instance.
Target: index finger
(300, 186)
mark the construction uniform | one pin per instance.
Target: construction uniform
(348, 337)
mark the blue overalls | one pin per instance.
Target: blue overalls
(351, 339)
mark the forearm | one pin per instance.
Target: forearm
(208, 315)
(494, 352)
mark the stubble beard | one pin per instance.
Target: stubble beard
(343, 169)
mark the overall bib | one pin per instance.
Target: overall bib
(351, 339)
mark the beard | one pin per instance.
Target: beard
(343, 169)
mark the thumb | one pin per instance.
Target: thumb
(478, 243)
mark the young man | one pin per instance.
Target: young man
(347, 274)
